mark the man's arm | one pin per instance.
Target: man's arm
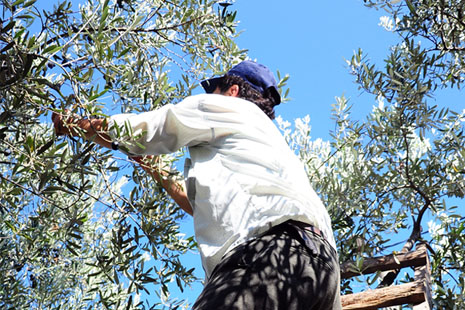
(175, 189)
(93, 129)
(96, 131)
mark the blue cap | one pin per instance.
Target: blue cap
(257, 75)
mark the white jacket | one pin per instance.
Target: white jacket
(242, 178)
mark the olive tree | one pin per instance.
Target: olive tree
(81, 228)
(397, 177)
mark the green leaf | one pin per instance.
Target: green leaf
(115, 276)
(11, 226)
(129, 250)
(72, 251)
(18, 2)
(31, 41)
(94, 274)
(124, 52)
(45, 147)
(97, 95)
(411, 7)
(56, 189)
(7, 47)
(29, 3)
(103, 17)
(8, 27)
(52, 49)
(85, 159)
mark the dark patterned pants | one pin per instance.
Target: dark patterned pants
(279, 270)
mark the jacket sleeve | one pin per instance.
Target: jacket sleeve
(161, 131)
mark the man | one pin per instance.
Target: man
(264, 236)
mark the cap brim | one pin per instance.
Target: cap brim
(210, 85)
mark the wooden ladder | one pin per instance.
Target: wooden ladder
(417, 292)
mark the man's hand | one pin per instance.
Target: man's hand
(61, 126)
(93, 129)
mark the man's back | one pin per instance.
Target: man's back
(245, 179)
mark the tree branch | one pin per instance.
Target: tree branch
(92, 30)
(389, 277)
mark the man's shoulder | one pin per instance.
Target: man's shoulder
(214, 98)
(218, 103)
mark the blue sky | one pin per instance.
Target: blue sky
(310, 40)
